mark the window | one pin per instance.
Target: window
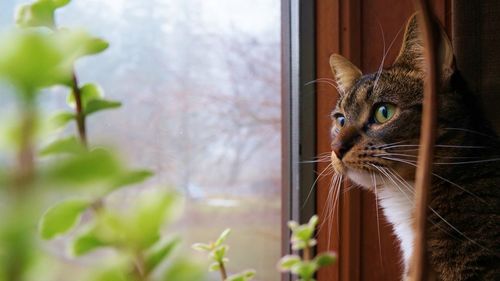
(200, 84)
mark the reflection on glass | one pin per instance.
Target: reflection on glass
(200, 82)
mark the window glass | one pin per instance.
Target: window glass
(200, 86)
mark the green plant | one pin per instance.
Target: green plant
(302, 239)
(33, 57)
(217, 251)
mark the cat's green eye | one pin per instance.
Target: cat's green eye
(384, 112)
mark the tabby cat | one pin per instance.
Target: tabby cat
(375, 141)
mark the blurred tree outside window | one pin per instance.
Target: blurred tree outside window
(200, 86)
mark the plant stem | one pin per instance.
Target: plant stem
(80, 116)
(307, 254)
(140, 268)
(25, 156)
(223, 272)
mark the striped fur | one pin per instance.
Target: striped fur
(464, 215)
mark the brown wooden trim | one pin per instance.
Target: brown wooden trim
(338, 31)
(420, 269)
(327, 30)
(350, 39)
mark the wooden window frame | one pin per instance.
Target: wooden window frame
(298, 115)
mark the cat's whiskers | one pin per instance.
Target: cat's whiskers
(384, 172)
(329, 196)
(336, 199)
(389, 144)
(328, 81)
(337, 202)
(458, 231)
(386, 52)
(332, 200)
(323, 157)
(328, 167)
(325, 160)
(436, 145)
(374, 180)
(473, 132)
(468, 162)
(403, 183)
(450, 163)
(416, 156)
(409, 188)
(439, 177)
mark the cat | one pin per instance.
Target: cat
(375, 137)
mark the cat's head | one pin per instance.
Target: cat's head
(378, 115)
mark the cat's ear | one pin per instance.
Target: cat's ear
(411, 54)
(345, 72)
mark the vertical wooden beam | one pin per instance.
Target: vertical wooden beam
(328, 42)
(343, 36)
(350, 47)
(420, 269)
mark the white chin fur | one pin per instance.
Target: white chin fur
(360, 177)
(397, 208)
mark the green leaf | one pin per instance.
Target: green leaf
(32, 60)
(244, 276)
(303, 232)
(219, 253)
(288, 261)
(159, 254)
(325, 259)
(305, 270)
(222, 237)
(298, 244)
(147, 218)
(62, 217)
(62, 118)
(202, 247)
(312, 242)
(77, 43)
(313, 221)
(215, 266)
(69, 145)
(85, 168)
(87, 93)
(185, 270)
(292, 225)
(86, 243)
(100, 104)
(39, 13)
(249, 273)
(113, 274)
(130, 177)
(236, 277)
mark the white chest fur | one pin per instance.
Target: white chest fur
(397, 207)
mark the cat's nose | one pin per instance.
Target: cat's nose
(344, 141)
(340, 149)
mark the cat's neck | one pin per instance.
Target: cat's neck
(398, 209)
(396, 200)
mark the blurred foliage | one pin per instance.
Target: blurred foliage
(36, 55)
(302, 239)
(217, 251)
